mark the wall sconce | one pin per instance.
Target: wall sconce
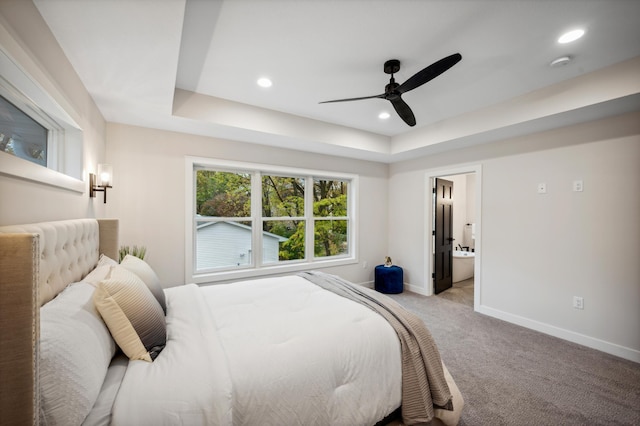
(105, 176)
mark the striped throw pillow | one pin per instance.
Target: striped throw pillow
(132, 314)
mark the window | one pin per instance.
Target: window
(39, 140)
(283, 216)
(250, 219)
(331, 222)
(223, 220)
(21, 135)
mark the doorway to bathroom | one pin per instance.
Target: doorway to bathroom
(463, 252)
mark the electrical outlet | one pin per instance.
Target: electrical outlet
(577, 186)
(364, 265)
(542, 188)
(578, 302)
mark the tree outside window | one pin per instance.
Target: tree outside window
(330, 217)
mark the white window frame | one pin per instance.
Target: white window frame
(257, 268)
(64, 136)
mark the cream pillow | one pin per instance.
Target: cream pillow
(132, 314)
(146, 274)
(101, 270)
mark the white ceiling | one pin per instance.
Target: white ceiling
(192, 66)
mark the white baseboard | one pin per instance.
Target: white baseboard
(416, 289)
(407, 287)
(581, 339)
(571, 336)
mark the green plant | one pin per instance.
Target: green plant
(133, 251)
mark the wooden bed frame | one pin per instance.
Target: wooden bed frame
(37, 261)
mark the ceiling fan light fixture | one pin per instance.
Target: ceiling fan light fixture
(384, 115)
(570, 36)
(264, 82)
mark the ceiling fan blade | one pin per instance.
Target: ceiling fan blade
(430, 72)
(353, 99)
(403, 110)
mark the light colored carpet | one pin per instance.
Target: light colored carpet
(510, 375)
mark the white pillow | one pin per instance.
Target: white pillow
(146, 274)
(75, 351)
(100, 414)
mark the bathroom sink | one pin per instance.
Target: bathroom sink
(461, 253)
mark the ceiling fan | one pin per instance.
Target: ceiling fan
(393, 91)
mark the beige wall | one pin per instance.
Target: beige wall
(27, 39)
(538, 251)
(149, 193)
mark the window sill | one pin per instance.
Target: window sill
(23, 169)
(228, 276)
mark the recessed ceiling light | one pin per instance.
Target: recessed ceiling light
(264, 82)
(570, 36)
(384, 115)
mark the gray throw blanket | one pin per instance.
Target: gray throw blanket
(423, 383)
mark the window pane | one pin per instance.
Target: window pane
(223, 194)
(329, 198)
(223, 244)
(331, 238)
(282, 196)
(20, 135)
(282, 240)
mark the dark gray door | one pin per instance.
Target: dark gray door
(443, 241)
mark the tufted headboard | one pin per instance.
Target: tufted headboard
(37, 261)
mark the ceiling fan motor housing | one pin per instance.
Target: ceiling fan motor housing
(392, 66)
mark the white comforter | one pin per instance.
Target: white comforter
(275, 351)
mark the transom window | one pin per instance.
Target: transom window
(21, 135)
(39, 140)
(250, 219)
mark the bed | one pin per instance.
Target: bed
(89, 341)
